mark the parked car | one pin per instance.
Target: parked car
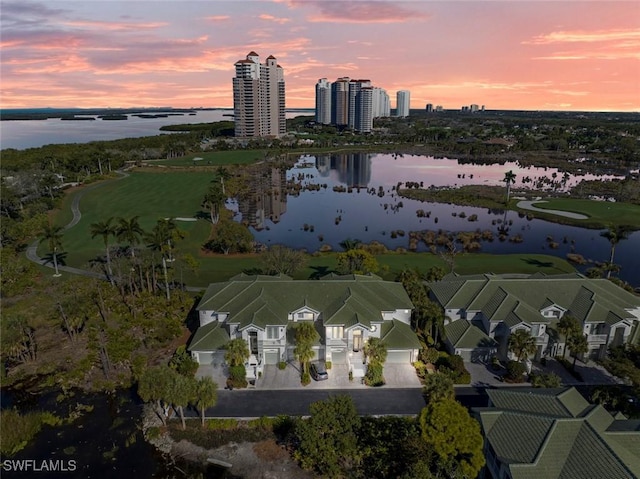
(319, 371)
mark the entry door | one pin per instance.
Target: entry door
(357, 340)
(253, 342)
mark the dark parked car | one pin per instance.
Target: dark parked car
(319, 371)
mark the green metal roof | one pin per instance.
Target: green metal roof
(557, 434)
(267, 300)
(209, 337)
(464, 335)
(589, 300)
(398, 335)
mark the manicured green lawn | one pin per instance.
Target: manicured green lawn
(602, 212)
(216, 158)
(220, 267)
(150, 196)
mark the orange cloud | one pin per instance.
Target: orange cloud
(586, 37)
(115, 26)
(271, 18)
(217, 18)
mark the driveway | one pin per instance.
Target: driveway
(396, 376)
(483, 375)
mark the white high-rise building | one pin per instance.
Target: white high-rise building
(259, 97)
(403, 100)
(381, 105)
(323, 101)
(363, 118)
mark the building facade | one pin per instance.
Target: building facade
(259, 97)
(323, 101)
(489, 308)
(353, 104)
(403, 101)
(345, 310)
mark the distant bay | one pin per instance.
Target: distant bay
(22, 134)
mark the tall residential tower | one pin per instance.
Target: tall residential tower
(403, 99)
(323, 101)
(258, 97)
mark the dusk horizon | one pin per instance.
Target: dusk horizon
(523, 56)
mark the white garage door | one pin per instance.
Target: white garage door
(271, 356)
(395, 357)
(205, 358)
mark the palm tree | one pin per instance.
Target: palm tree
(349, 244)
(509, 179)
(52, 235)
(305, 337)
(615, 234)
(578, 344)
(224, 174)
(206, 395)
(522, 344)
(106, 230)
(568, 326)
(130, 232)
(375, 351)
(213, 199)
(237, 352)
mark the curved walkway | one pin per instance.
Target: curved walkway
(32, 250)
(528, 205)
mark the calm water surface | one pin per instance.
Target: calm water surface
(21, 134)
(369, 209)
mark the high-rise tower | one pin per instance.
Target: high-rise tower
(259, 97)
(323, 101)
(402, 103)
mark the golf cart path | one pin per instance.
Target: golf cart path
(32, 250)
(529, 205)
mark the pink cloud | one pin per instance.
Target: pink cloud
(271, 18)
(360, 11)
(217, 18)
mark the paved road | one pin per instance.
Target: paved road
(257, 403)
(528, 205)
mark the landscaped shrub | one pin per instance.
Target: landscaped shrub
(373, 376)
(282, 365)
(550, 380)
(305, 379)
(222, 424)
(237, 372)
(515, 372)
(429, 355)
(453, 366)
(328, 364)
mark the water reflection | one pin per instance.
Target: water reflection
(332, 197)
(352, 169)
(266, 198)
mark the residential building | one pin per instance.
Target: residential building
(403, 101)
(429, 107)
(488, 308)
(323, 101)
(340, 102)
(555, 434)
(259, 97)
(345, 310)
(380, 103)
(355, 103)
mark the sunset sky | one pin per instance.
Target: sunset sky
(516, 54)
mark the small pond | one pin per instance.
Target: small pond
(326, 199)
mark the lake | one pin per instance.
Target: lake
(328, 198)
(21, 134)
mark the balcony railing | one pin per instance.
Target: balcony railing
(597, 338)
